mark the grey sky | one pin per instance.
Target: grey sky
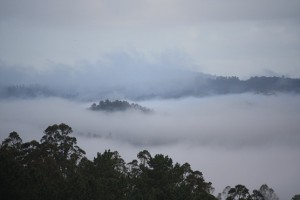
(220, 37)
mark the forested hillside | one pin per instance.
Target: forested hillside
(196, 85)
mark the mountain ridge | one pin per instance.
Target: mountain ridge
(191, 85)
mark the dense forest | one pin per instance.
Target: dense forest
(56, 168)
(195, 85)
(117, 105)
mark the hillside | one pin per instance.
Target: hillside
(189, 84)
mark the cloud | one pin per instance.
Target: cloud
(145, 13)
(116, 75)
(247, 139)
(233, 37)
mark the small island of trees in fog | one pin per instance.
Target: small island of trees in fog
(117, 105)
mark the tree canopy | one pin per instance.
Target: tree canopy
(117, 105)
(56, 168)
(241, 192)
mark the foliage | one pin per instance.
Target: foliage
(117, 105)
(268, 193)
(56, 168)
(241, 192)
(296, 197)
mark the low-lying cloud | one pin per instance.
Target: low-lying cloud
(247, 139)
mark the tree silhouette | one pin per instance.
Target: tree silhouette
(56, 168)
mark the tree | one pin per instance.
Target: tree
(144, 157)
(158, 178)
(83, 186)
(13, 141)
(55, 163)
(62, 147)
(110, 174)
(12, 174)
(197, 186)
(257, 195)
(296, 197)
(160, 175)
(55, 168)
(268, 193)
(61, 143)
(224, 193)
(239, 192)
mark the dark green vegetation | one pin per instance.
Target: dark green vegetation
(117, 105)
(296, 197)
(56, 168)
(241, 192)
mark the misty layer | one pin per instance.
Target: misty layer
(115, 80)
(228, 122)
(261, 133)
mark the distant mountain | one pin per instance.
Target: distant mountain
(220, 85)
(190, 84)
(31, 91)
(117, 105)
(263, 85)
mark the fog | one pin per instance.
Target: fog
(115, 75)
(233, 139)
(56, 57)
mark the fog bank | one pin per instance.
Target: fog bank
(233, 139)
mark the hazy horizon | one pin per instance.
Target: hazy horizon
(230, 38)
(161, 54)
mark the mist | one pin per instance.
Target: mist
(120, 75)
(233, 139)
(222, 79)
(115, 75)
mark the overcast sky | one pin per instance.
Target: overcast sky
(243, 38)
